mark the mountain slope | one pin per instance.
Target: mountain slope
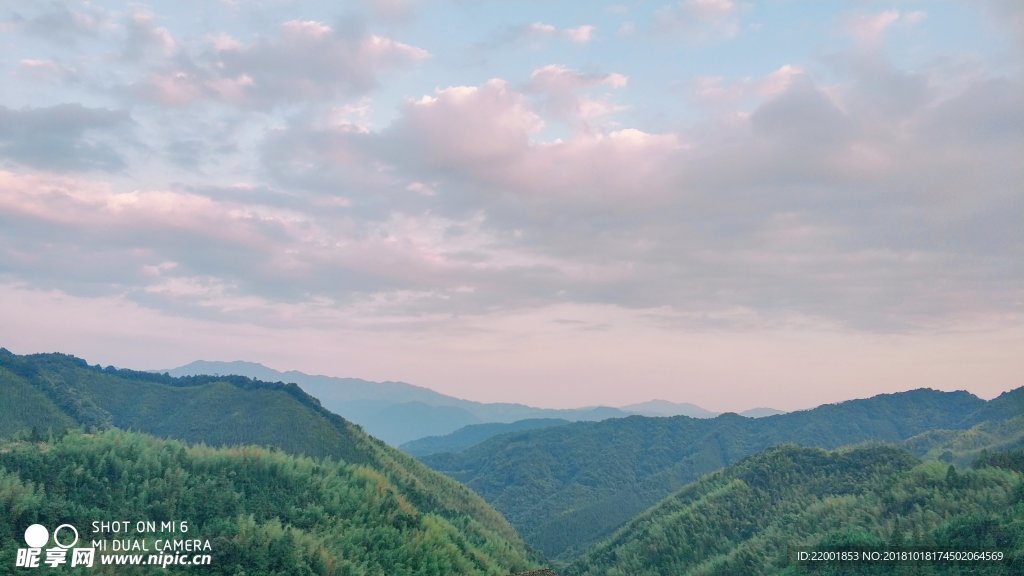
(565, 488)
(263, 512)
(746, 518)
(232, 410)
(472, 435)
(396, 412)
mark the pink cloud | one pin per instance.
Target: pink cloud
(144, 35)
(464, 125)
(869, 29)
(306, 60)
(44, 69)
(580, 35)
(565, 98)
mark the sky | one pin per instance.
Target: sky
(736, 204)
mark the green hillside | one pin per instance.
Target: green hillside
(474, 434)
(25, 407)
(264, 512)
(50, 392)
(567, 487)
(748, 518)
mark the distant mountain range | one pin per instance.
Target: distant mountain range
(399, 413)
(396, 412)
(566, 487)
(667, 408)
(338, 497)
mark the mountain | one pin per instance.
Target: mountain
(761, 412)
(749, 517)
(666, 408)
(262, 511)
(396, 412)
(567, 487)
(657, 408)
(472, 435)
(44, 394)
(999, 425)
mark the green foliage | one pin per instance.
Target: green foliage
(52, 392)
(749, 518)
(961, 447)
(263, 511)
(24, 407)
(567, 487)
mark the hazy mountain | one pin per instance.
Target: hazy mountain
(396, 412)
(666, 408)
(761, 412)
(566, 487)
(44, 393)
(747, 518)
(472, 435)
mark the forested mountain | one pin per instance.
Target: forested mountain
(51, 392)
(748, 518)
(567, 487)
(263, 512)
(395, 412)
(997, 426)
(474, 434)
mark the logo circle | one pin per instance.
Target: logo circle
(36, 536)
(57, 529)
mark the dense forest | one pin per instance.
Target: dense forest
(752, 516)
(263, 511)
(567, 487)
(48, 394)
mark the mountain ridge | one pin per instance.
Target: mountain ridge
(566, 487)
(230, 411)
(746, 518)
(397, 412)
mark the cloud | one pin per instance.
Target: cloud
(562, 90)
(144, 36)
(306, 60)
(845, 192)
(536, 33)
(393, 10)
(1009, 16)
(63, 137)
(699, 20)
(475, 127)
(580, 35)
(46, 70)
(60, 24)
(869, 29)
